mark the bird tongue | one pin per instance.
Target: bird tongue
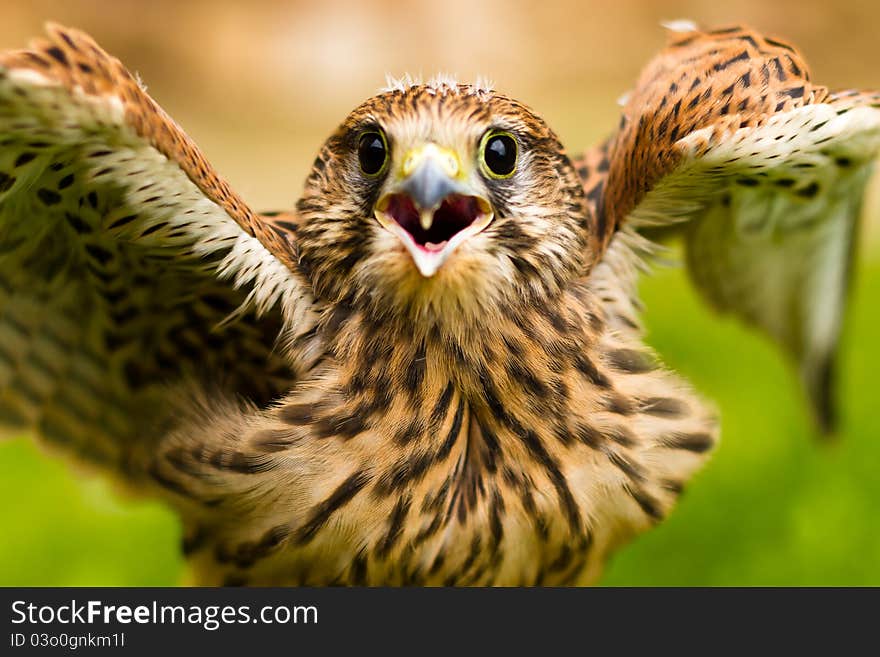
(453, 215)
(431, 236)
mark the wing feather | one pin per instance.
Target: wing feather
(726, 137)
(128, 267)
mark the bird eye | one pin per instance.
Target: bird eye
(372, 152)
(499, 154)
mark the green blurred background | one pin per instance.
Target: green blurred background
(260, 85)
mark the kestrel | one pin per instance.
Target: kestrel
(431, 371)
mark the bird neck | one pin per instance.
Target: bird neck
(520, 352)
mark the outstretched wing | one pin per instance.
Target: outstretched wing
(128, 267)
(726, 135)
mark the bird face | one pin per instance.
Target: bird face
(442, 200)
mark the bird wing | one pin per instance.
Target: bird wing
(726, 136)
(128, 267)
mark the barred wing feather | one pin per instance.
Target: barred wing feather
(726, 137)
(128, 267)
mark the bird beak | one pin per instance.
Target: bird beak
(430, 208)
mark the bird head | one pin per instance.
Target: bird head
(442, 200)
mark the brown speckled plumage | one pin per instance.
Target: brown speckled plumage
(319, 410)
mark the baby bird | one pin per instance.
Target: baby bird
(431, 371)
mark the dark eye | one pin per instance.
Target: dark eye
(372, 152)
(499, 154)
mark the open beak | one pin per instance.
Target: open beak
(430, 209)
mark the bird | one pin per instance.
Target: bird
(432, 369)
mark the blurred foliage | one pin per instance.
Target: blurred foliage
(777, 504)
(260, 84)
